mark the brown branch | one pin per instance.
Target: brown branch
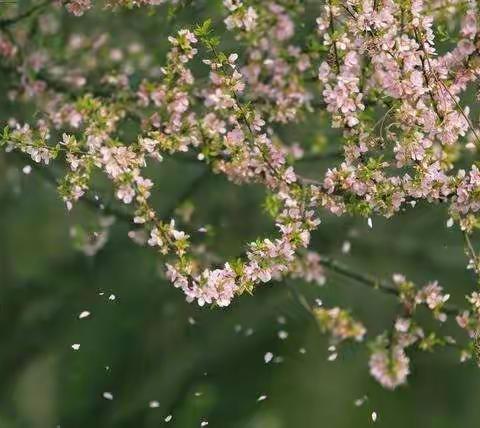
(332, 35)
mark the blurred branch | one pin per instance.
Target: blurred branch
(4, 23)
(91, 201)
(48, 176)
(188, 192)
(175, 379)
(321, 156)
(303, 302)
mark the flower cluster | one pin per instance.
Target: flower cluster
(78, 7)
(389, 363)
(430, 295)
(390, 367)
(340, 324)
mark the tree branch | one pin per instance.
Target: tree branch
(4, 23)
(368, 281)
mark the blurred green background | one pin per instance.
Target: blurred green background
(148, 344)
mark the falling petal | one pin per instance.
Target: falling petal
(332, 357)
(108, 396)
(84, 314)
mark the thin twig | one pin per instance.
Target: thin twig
(366, 280)
(332, 35)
